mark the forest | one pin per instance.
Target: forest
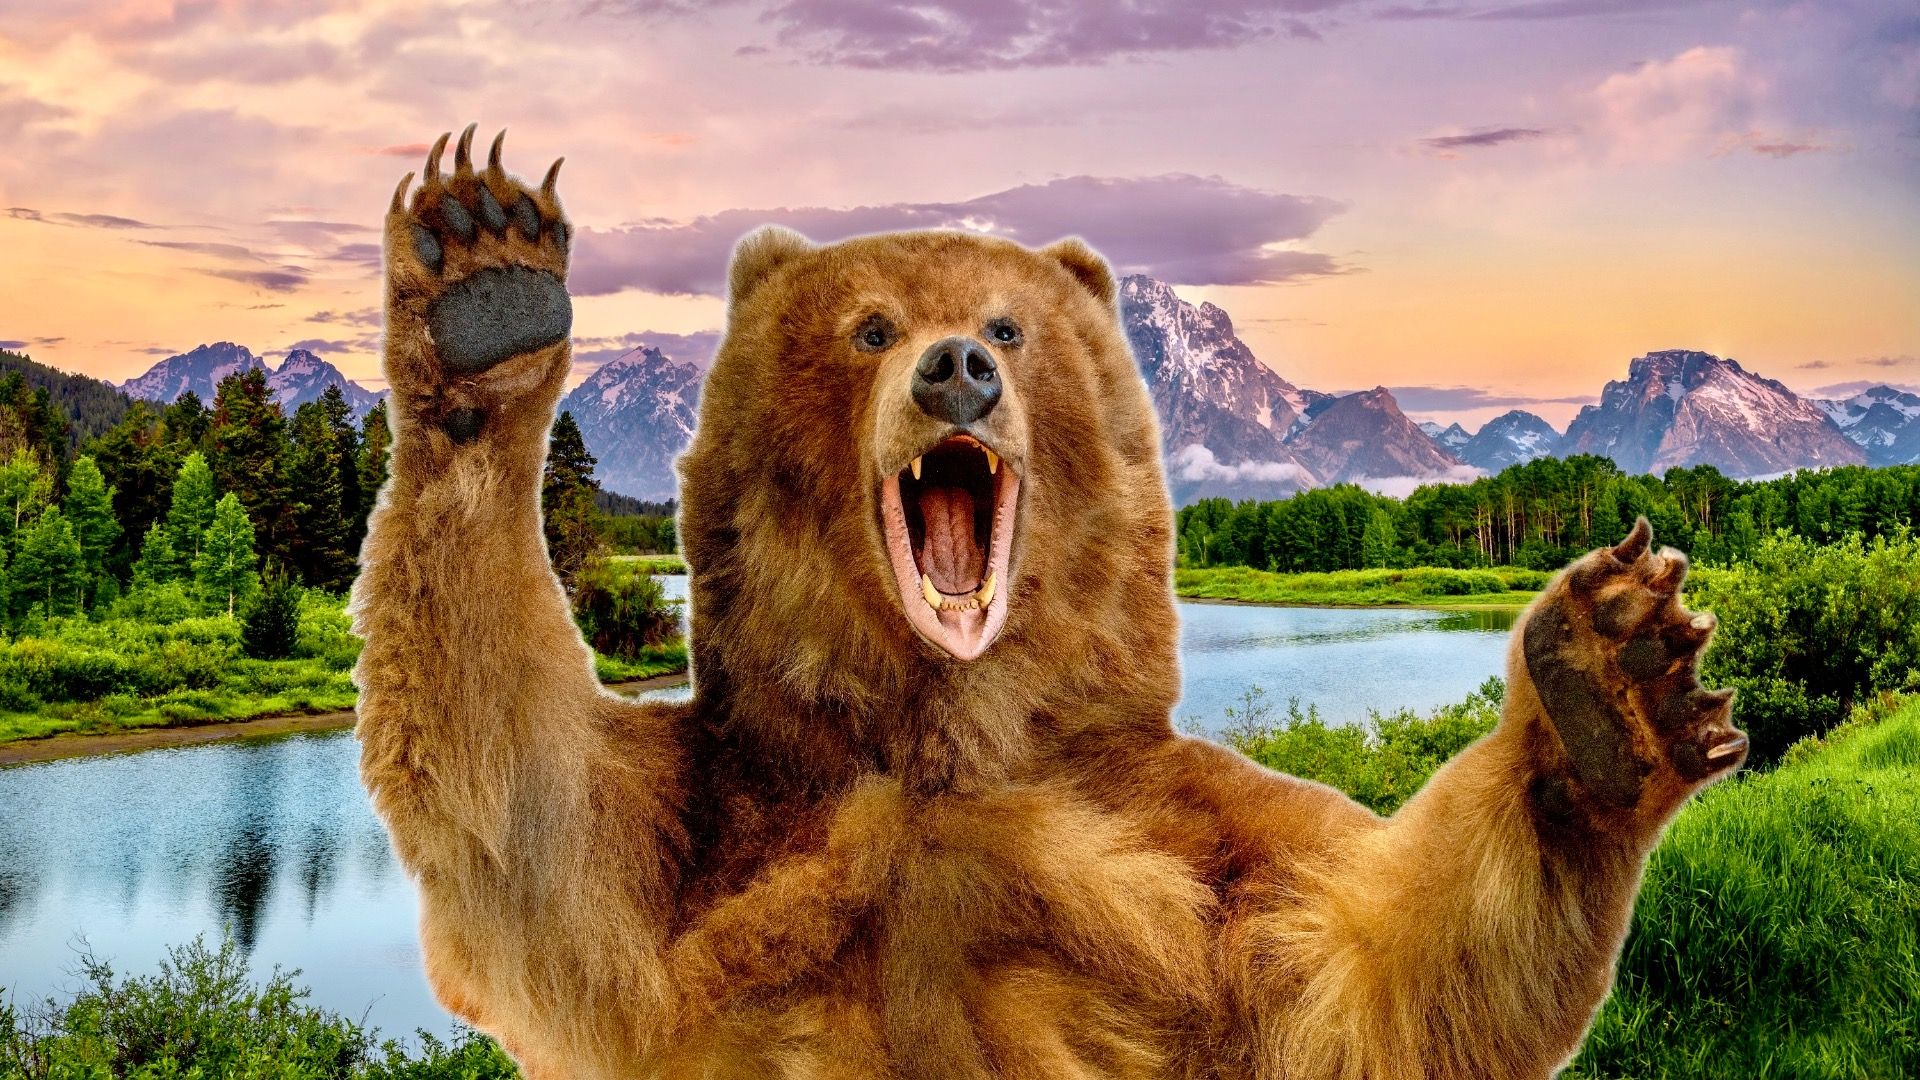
(100, 495)
(1542, 514)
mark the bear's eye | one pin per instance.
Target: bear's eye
(1004, 331)
(875, 333)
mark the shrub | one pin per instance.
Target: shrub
(1380, 763)
(623, 610)
(1808, 631)
(202, 1015)
(271, 629)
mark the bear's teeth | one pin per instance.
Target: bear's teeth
(993, 462)
(1702, 621)
(927, 590)
(916, 468)
(985, 594)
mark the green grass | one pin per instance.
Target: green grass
(1777, 934)
(653, 564)
(1424, 586)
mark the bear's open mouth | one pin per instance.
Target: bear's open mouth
(948, 519)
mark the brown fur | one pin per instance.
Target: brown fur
(853, 856)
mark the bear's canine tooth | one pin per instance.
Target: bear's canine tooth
(984, 595)
(927, 590)
(1702, 621)
(993, 462)
(916, 468)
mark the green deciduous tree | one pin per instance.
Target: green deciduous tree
(225, 567)
(191, 510)
(25, 489)
(49, 568)
(89, 507)
(158, 561)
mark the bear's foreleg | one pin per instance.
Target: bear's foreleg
(475, 684)
(1475, 933)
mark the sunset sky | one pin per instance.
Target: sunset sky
(1481, 205)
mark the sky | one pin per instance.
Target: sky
(1482, 204)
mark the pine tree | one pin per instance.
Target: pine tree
(158, 561)
(192, 508)
(89, 506)
(49, 569)
(224, 569)
(139, 464)
(323, 517)
(376, 439)
(566, 499)
(247, 449)
(187, 421)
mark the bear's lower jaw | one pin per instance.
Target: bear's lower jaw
(947, 520)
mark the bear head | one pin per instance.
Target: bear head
(923, 509)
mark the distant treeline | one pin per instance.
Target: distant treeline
(143, 499)
(1542, 514)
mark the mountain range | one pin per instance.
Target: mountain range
(300, 377)
(1232, 426)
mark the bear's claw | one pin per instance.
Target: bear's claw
(1613, 657)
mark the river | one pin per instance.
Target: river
(272, 842)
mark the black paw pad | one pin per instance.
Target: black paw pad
(458, 221)
(491, 213)
(427, 249)
(527, 218)
(463, 425)
(1591, 727)
(496, 314)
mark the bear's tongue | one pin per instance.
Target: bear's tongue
(949, 553)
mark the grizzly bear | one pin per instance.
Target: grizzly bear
(925, 814)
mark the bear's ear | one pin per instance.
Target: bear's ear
(758, 255)
(1086, 266)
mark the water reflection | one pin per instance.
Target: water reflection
(273, 842)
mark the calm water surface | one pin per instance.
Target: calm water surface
(272, 842)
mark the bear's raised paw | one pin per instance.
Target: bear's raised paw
(1614, 659)
(476, 272)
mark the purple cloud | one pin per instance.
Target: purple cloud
(1187, 230)
(696, 348)
(1458, 398)
(203, 247)
(1535, 10)
(284, 280)
(1484, 138)
(85, 221)
(966, 35)
(13, 346)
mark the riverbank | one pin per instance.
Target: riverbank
(1425, 587)
(90, 744)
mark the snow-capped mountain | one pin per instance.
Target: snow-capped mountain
(199, 371)
(1882, 421)
(300, 378)
(1365, 436)
(1451, 438)
(1681, 407)
(1224, 415)
(636, 414)
(303, 377)
(1508, 439)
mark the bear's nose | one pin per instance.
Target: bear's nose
(956, 380)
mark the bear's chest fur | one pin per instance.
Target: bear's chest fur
(1017, 930)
